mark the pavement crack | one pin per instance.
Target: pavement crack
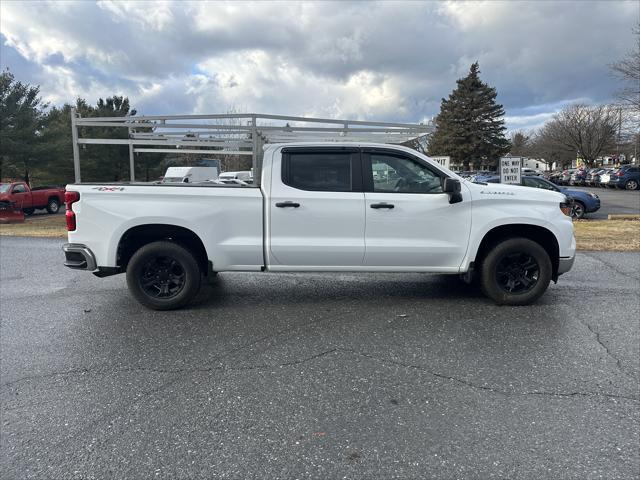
(74, 371)
(612, 267)
(286, 364)
(485, 387)
(104, 371)
(596, 334)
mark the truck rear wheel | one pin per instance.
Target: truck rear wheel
(163, 276)
(516, 271)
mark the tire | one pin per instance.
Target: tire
(632, 185)
(518, 258)
(578, 210)
(176, 271)
(53, 206)
(28, 211)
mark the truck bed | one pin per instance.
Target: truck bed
(224, 216)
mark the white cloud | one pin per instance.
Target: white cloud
(388, 60)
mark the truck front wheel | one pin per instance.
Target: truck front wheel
(516, 271)
(163, 276)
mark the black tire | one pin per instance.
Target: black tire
(632, 185)
(516, 271)
(28, 211)
(578, 210)
(163, 276)
(53, 206)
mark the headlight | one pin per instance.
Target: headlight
(593, 195)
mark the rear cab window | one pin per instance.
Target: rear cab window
(323, 170)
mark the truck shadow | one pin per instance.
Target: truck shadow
(288, 289)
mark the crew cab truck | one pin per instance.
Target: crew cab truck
(29, 199)
(318, 207)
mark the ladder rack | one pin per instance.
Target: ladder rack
(232, 133)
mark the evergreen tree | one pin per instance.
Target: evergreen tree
(21, 119)
(470, 125)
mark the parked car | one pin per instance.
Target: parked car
(308, 211)
(555, 177)
(593, 177)
(605, 178)
(583, 202)
(566, 176)
(190, 174)
(28, 199)
(245, 176)
(626, 177)
(482, 175)
(579, 177)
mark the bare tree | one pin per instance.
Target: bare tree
(544, 146)
(628, 70)
(519, 144)
(588, 130)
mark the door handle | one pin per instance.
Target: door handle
(287, 204)
(382, 205)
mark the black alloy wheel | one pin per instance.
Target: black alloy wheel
(162, 277)
(517, 273)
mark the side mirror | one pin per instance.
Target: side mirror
(453, 188)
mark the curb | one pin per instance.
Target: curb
(623, 217)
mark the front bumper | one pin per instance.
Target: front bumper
(565, 264)
(79, 257)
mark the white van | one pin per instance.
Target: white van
(190, 174)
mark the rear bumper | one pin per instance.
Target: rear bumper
(565, 264)
(79, 257)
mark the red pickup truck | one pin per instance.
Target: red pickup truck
(29, 199)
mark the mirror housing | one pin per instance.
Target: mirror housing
(453, 187)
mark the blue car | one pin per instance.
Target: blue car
(627, 176)
(583, 202)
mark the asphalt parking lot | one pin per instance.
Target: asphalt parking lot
(318, 375)
(617, 202)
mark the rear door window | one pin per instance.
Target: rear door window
(325, 171)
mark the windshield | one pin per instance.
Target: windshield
(172, 180)
(4, 187)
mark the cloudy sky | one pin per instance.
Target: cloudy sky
(390, 61)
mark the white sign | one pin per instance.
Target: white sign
(511, 170)
(444, 161)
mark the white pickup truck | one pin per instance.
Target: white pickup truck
(356, 207)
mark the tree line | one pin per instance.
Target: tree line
(36, 144)
(470, 128)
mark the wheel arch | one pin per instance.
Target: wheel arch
(541, 235)
(138, 236)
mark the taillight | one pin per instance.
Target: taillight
(565, 207)
(620, 174)
(69, 199)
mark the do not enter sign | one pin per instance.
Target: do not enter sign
(510, 170)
